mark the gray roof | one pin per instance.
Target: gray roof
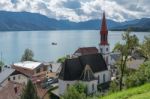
(135, 64)
(115, 56)
(5, 74)
(72, 68)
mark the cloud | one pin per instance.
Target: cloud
(71, 4)
(81, 10)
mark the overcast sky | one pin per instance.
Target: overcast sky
(81, 10)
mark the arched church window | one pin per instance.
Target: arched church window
(104, 78)
(93, 87)
(98, 79)
(107, 60)
(68, 85)
(106, 49)
(101, 38)
(101, 50)
(104, 37)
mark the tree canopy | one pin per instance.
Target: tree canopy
(145, 48)
(28, 55)
(140, 76)
(76, 91)
(61, 60)
(126, 48)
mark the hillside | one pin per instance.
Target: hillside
(18, 21)
(142, 92)
(135, 25)
(25, 21)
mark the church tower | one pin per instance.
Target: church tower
(104, 45)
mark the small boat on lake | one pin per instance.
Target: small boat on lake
(54, 43)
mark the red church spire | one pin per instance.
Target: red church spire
(104, 31)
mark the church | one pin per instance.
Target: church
(88, 65)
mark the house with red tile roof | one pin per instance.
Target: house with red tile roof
(13, 90)
(85, 51)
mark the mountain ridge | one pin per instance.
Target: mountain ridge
(26, 21)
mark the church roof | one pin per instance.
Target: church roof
(72, 69)
(86, 50)
(104, 31)
(104, 24)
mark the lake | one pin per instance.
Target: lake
(13, 44)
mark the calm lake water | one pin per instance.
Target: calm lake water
(13, 44)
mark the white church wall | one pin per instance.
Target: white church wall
(91, 86)
(63, 85)
(100, 75)
(105, 51)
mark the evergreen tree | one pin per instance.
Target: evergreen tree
(29, 92)
(28, 55)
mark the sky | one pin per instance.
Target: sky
(81, 10)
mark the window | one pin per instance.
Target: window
(14, 78)
(103, 78)
(8, 79)
(38, 70)
(68, 85)
(93, 87)
(101, 50)
(45, 68)
(104, 38)
(107, 49)
(101, 38)
(18, 76)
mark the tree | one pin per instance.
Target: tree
(145, 48)
(113, 87)
(126, 48)
(139, 77)
(61, 60)
(80, 87)
(28, 55)
(29, 92)
(76, 91)
(1, 65)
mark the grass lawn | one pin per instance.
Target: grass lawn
(142, 92)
